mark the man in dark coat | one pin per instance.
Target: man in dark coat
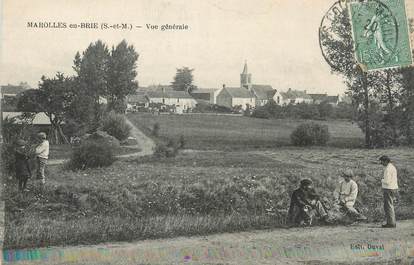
(303, 203)
(22, 167)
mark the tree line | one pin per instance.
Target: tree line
(383, 99)
(101, 74)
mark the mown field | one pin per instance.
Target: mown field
(195, 193)
(219, 132)
(64, 151)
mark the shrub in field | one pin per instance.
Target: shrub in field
(202, 107)
(116, 125)
(156, 129)
(91, 154)
(163, 150)
(261, 113)
(181, 142)
(170, 149)
(7, 158)
(310, 134)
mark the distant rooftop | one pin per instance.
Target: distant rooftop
(292, 94)
(13, 90)
(238, 92)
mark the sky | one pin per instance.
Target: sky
(278, 38)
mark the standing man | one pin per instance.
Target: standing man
(42, 154)
(390, 188)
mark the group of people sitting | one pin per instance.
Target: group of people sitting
(306, 205)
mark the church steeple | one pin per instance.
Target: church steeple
(245, 68)
(245, 78)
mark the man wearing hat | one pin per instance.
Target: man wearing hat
(346, 193)
(389, 187)
(302, 202)
(42, 155)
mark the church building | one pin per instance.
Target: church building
(248, 95)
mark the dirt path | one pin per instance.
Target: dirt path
(145, 143)
(317, 245)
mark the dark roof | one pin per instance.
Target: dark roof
(293, 94)
(237, 92)
(204, 90)
(332, 99)
(168, 94)
(320, 97)
(10, 89)
(137, 98)
(263, 91)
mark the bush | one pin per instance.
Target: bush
(261, 113)
(91, 154)
(170, 149)
(7, 158)
(204, 107)
(116, 125)
(119, 106)
(156, 130)
(310, 134)
(163, 150)
(181, 142)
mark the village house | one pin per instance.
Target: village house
(206, 95)
(247, 95)
(263, 94)
(324, 98)
(136, 101)
(179, 100)
(231, 97)
(12, 90)
(333, 100)
(293, 97)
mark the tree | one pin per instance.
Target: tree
(121, 75)
(54, 98)
(183, 80)
(407, 103)
(363, 86)
(326, 110)
(407, 98)
(92, 77)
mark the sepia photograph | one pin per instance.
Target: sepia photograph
(207, 132)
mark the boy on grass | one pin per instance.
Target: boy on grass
(22, 167)
(42, 155)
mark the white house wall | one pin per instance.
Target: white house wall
(185, 103)
(244, 102)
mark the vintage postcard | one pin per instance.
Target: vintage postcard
(207, 132)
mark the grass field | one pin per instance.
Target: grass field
(195, 193)
(64, 151)
(215, 132)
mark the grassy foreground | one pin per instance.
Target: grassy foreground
(229, 133)
(195, 193)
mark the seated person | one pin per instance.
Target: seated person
(346, 193)
(303, 203)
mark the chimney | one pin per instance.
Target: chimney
(224, 85)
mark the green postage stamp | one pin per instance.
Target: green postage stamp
(381, 33)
